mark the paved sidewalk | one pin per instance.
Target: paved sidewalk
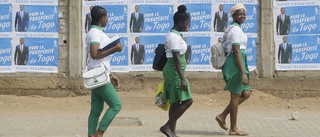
(145, 122)
(196, 123)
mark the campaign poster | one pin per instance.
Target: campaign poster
(156, 20)
(251, 52)
(5, 17)
(199, 54)
(117, 19)
(250, 25)
(291, 18)
(5, 55)
(120, 60)
(35, 54)
(117, 16)
(42, 18)
(142, 51)
(299, 52)
(296, 25)
(200, 16)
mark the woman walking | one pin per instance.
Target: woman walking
(105, 93)
(176, 86)
(235, 70)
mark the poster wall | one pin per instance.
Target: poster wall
(29, 36)
(297, 38)
(143, 27)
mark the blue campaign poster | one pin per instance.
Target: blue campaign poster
(42, 18)
(117, 19)
(157, 20)
(150, 43)
(121, 58)
(5, 18)
(200, 15)
(250, 25)
(251, 51)
(5, 52)
(303, 19)
(42, 51)
(200, 50)
(305, 49)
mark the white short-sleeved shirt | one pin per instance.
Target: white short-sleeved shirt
(174, 43)
(236, 37)
(97, 36)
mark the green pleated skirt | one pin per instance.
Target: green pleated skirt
(232, 74)
(172, 82)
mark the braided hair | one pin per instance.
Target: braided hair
(96, 13)
(181, 15)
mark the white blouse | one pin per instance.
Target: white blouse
(174, 42)
(97, 36)
(235, 37)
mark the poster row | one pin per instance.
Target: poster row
(29, 36)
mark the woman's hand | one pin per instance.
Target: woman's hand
(244, 79)
(115, 81)
(184, 85)
(118, 48)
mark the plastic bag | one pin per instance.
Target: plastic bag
(159, 98)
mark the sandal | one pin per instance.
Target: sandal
(238, 133)
(223, 126)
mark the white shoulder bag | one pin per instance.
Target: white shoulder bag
(96, 77)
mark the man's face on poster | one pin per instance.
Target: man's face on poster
(284, 39)
(136, 8)
(21, 7)
(221, 7)
(283, 10)
(21, 41)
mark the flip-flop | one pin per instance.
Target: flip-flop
(221, 124)
(238, 133)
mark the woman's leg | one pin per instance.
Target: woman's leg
(96, 109)
(110, 96)
(176, 114)
(171, 110)
(244, 96)
(222, 117)
(234, 103)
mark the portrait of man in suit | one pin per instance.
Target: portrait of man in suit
(21, 53)
(136, 21)
(284, 51)
(137, 52)
(220, 21)
(88, 20)
(188, 52)
(21, 22)
(283, 23)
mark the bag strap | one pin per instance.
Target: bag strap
(85, 61)
(225, 37)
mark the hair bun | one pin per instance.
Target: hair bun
(182, 9)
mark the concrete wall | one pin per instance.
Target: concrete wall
(68, 81)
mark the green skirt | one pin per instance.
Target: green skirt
(232, 74)
(172, 82)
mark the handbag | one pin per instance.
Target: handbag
(96, 77)
(159, 98)
(160, 58)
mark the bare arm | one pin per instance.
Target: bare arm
(238, 60)
(178, 66)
